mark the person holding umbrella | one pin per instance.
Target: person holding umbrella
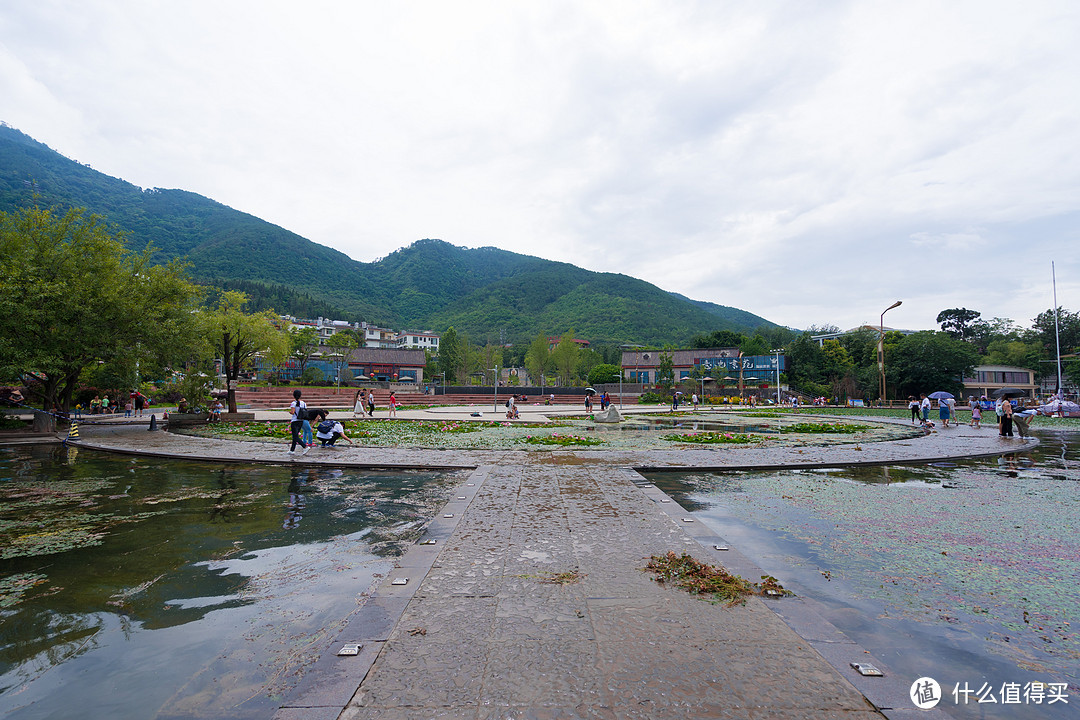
(945, 407)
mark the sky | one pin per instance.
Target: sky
(810, 162)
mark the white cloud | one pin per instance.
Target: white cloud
(808, 162)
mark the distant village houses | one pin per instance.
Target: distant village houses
(373, 335)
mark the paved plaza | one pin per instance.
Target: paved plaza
(526, 596)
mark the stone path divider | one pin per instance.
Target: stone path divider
(532, 601)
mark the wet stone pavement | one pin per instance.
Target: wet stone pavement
(532, 601)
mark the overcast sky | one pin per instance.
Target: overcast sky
(811, 162)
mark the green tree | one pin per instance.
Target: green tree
(755, 346)
(72, 296)
(957, 322)
(665, 373)
(604, 373)
(538, 358)
(719, 339)
(450, 355)
(240, 337)
(928, 361)
(1068, 328)
(565, 356)
(339, 347)
(303, 342)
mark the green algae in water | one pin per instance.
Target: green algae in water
(982, 553)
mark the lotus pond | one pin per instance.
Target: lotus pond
(138, 587)
(964, 572)
(636, 432)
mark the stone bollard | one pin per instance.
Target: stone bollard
(153, 423)
(44, 422)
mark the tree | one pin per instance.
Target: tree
(240, 337)
(604, 373)
(928, 361)
(340, 345)
(1068, 326)
(665, 373)
(71, 297)
(719, 339)
(303, 343)
(565, 357)
(449, 355)
(538, 358)
(957, 322)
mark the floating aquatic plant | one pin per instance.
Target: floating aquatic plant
(714, 438)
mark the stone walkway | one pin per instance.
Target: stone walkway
(481, 629)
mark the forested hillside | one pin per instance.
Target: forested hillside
(485, 292)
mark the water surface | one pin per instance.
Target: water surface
(142, 588)
(965, 572)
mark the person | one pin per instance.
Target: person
(913, 406)
(1006, 418)
(588, 402)
(1022, 418)
(925, 405)
(182, 406)
(552, 399)
(139, 401)
(104, 404)
(392, 404)
(927, 426)
(298, 414)
(976, 412)
(215, 410)
(371, 403)
(944, 411)
(328, 432)
(358, 403)
(694, 400)
(511, 408)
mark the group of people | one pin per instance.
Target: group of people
(101, 405)
(1007, 414)
(366, 402)
(326, 431)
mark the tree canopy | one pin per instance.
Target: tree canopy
(72, 296)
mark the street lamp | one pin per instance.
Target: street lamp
(703, 388)
(881, 348)
(777, 354)
(495, 370)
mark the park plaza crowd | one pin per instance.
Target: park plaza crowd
(1007, 412)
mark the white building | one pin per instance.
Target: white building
(324, 327)
(414, 340)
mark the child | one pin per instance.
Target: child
(129, 408)
(976, 414)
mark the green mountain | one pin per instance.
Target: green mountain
(490, 294)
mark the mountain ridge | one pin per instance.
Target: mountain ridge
(485, 292)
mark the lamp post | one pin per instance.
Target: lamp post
(881, 348)
(703, 379)
(777, 352)
(496, 383)
(443, 383)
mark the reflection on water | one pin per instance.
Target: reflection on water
(138, 587)
(963, 571)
